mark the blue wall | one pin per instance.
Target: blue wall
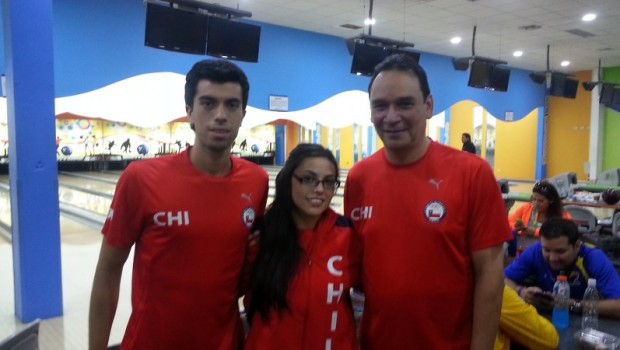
(101, 42)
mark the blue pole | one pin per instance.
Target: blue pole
(33, 171)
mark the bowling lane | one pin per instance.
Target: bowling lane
(89, 185)
(5, 203)
(82, 201)
(87, 195)
(88, 201)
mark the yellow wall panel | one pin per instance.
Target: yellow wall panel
(461, 120)
(569, 132)
(291, 135)
(324, 133)
(346, 147)
(515, 147)
(379, 142)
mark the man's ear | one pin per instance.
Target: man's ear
(188, 110)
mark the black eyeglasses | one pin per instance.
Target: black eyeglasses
(312, 182)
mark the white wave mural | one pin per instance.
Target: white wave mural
(154, 99)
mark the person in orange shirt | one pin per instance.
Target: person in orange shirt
(546, 203)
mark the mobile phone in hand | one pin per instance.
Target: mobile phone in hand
(544, 295)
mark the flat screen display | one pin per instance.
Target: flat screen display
(233, 40)
(557, 85)
(366, 57)
(615, 99)
(563, 86)
(570, 88)
(175, 30)
(480, 74)
(607, 94)
(499, 79)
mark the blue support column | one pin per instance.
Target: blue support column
(33, 171)
(280, 145)
(371, 140)
(541, 141)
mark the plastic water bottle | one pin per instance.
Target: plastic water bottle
(561, 295)
(589, 304)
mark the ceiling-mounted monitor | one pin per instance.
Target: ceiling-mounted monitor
(172, 29)
(366, 57)
(570, 88)
(563, 86)
(500, 78)
(615, 98)
(480, 74)
(486, 75)
(607, 94)
(233, 40)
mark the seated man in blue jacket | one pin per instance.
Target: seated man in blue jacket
(561, 250)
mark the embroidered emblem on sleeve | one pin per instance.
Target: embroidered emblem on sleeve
(248, 216)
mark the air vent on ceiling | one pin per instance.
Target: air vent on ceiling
(351, 26)
(530, 27)
(581, 33)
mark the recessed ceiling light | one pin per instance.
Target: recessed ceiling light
(565, 63)
(518, 53)
(455, 40)
(588, 17)
(370, 21)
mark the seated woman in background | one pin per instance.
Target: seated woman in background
(546, 203)
(307, 261)
(521, 325)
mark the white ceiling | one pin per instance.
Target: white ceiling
(430, 24)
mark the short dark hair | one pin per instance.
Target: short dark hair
(559, 227)
(217, 71)
(466, 134)
(404, 63)
(279, 251)
(547, 190)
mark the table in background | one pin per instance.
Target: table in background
(567, 336)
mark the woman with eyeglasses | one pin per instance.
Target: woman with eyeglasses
(546, 203)
(308, 259)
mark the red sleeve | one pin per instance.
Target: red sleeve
(123, 224)
(489, 225)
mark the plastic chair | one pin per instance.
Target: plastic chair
(615, 225)
(25, 339)
(564, 183)
(584, 218)
(609, 177)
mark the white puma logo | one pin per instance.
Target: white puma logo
(247, 197)
(435, 183)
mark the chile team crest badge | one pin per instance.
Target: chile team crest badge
(248, 216)
(434, 211)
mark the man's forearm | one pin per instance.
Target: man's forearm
(487, 310)
(488, 291)
(609, 308)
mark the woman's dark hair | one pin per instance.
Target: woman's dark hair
(279, 251)
(559, 227)
(217, 71)
(546, 189)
